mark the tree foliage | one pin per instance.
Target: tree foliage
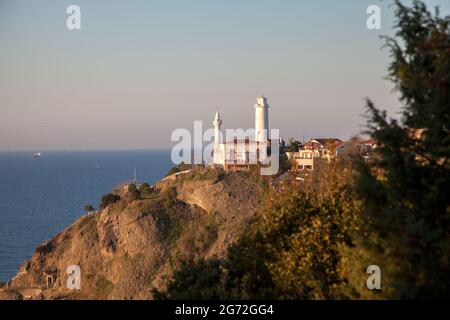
(133, 193)
(406, 188)
(145, 190)
(294, 145)
(292, 251)
(108, 199)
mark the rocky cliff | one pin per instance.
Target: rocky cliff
(131, 247)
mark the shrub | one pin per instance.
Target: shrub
(133, 192)
(146, 190)
(108, 199)
(202, 280)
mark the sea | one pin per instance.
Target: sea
(41, 196)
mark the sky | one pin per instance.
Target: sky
(137, 70)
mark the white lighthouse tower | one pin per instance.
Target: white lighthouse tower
(261, 119)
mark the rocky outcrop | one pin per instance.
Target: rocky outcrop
(131, 247)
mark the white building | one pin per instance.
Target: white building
(302, 160)
(313, 151)
(241, 152)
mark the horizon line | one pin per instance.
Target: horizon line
(83, 149)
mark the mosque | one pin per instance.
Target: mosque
(241, 152)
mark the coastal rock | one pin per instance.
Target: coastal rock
(131, 247)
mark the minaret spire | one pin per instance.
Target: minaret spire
(217, 123)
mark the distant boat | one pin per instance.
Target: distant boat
(37, 154)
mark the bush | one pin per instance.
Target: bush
(146, 190)
(202, 280)
(294, 145)
(108, 199)
(133, 192)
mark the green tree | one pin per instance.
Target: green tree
(133, 192)
(284, 162)
(145, 190)
(293, 145)
(405, 189)
(108, 199)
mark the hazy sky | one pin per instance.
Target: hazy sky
(137, 70)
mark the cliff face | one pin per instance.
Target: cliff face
(130, 247)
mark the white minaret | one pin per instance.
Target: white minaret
(217, 138)
(261, 119)
(217, 124)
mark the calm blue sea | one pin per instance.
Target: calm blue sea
(41, 196)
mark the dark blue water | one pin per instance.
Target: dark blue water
(41, 196)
